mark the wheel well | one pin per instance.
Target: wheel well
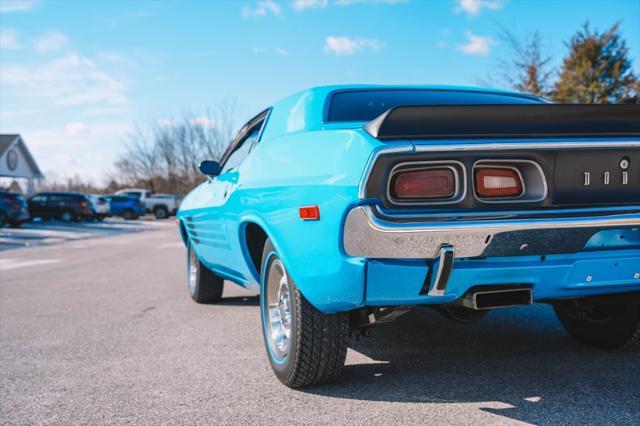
(255, 238)
(160, 206)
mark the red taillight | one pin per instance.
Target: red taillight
(498, 182)
(310, 213)
(430, 183)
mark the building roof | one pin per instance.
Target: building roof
(9, 140)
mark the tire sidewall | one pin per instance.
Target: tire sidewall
(161, 213)
(282, 368)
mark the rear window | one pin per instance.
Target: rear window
(365, 105)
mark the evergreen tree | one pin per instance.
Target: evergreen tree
(596, 70)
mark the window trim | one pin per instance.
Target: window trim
(243, 133)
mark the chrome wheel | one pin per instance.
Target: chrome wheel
(278, 306)
(193, 271)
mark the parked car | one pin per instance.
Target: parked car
(344, 206)
(161, 205)
(99, 207)
(13, 210)
(129, 208)
(65, 206)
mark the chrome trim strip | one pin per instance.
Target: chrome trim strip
(362, 186)
(502, 146)
(457, 197)
(366, 235)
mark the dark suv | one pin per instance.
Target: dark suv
(66, 206)
(13, 209)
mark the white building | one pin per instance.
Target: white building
(16, 162)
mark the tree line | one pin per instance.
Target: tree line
(164, 156)
(596, 69)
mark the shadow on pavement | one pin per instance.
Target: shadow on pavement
(240, 301)
(516, 363)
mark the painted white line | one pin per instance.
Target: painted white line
(6, 264)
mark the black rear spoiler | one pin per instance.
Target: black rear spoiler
(506, 121)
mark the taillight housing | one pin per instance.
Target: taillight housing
(498, 182)
(429, 184)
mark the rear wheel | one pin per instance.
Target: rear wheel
(3, 219)
(128, 215)
(607, 326)
(203, 284)
(67, 216)
(161, 212)
(305, 346)
(15, 223)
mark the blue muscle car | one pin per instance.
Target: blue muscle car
(345, 206)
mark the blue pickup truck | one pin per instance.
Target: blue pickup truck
(344, 206)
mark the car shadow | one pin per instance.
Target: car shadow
(517, 363)
(240, 301)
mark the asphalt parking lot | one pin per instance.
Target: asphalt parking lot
(40, 232)
(101, 330)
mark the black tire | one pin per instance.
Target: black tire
(128, 214)
(67, 216)
(204, 285)
(318, 342)
(3, 219)
(15, 223)
(611, 326)
(161, 212)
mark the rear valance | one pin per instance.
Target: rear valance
(506, 121)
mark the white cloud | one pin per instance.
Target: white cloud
(9, 39)
(203, 122)
(477, 45)
(299, 5)
(77, 129)
(7, 6)
(69, 80)
(282, 52)
(51, 42)
(343, 46)
(262, 8)
(473, 7)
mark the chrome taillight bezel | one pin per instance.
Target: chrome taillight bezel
(459, 173)
(532, 177)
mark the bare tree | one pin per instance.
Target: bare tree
(165, 156)
(527, 67)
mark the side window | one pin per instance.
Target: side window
(40, 199)
(243, 149)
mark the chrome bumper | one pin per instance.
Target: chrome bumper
(367, 235)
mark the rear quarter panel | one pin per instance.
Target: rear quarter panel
(282, 174)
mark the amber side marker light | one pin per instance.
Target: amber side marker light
(429, 183)
(498, 182)
(310, 213)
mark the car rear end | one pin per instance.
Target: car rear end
(498, 205)
(14, 209)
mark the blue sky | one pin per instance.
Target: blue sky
(76, 75)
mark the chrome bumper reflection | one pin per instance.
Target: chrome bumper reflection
(366, 235)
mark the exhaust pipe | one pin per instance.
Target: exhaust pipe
(481, 298)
